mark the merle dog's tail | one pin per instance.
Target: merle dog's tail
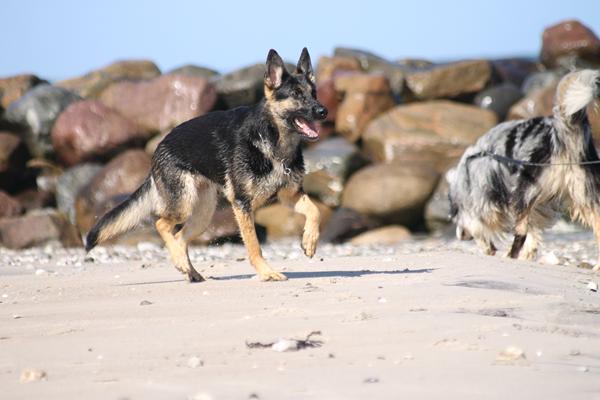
(575, 92)
(123, 217)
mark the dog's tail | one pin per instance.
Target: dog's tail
(575, 92)
(123, 217)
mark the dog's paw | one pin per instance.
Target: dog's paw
(310, 238)
(272, 276)
(194, 276)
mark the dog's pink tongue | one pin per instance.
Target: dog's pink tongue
(308, 128)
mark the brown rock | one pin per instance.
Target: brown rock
(536, 104)
(117, 180)
(390, 234)
(162, 103)
(327, 67)
(36, 229)
(345, 223)
(392, 193)
(88, 130)
(569, 39)
(94, 82)
(13, 87)
(327, 95)
(223, 226)
(9, 206)
(434, 132)
(437, 211)
(514, 70)
(283, 221)
(33, 199)
(449, 80)
(365, 97)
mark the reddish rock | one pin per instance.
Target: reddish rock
(13, 87)
(9, 206)
(569, 39)
(327, 67)
(327, 95)
(36, 229)
(33, 199)
(160, 104)
(365, 96)
(449, 80)
(538, 103)
(88, 130)
(514, 70)
(117, 180)
(94, 82)
(390, 234)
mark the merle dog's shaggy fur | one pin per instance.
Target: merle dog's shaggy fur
(490, 194)
(248, 154)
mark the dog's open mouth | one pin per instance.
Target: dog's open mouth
(308, 129)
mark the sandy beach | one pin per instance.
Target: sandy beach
(424, 319)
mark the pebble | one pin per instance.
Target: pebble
(32, 375)
(550, 258)
(194, 362)
(511, 353)
(583, 368)
(593, 286)
(40, 271)
(145, 303)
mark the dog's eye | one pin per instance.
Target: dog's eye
(298, 92)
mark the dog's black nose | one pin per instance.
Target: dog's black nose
(320, 112)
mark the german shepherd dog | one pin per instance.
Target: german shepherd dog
(248, 154)
(520, 173)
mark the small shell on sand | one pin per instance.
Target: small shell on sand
(32, 375)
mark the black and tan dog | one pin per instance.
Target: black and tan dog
(249, 154)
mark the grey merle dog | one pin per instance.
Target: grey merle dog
(248, 154)
(506, 183)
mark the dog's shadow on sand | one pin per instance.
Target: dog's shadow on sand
(331, 274)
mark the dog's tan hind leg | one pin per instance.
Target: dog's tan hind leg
(178, 249)
(245, 221)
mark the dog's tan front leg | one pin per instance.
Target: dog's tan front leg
(245, 221)
(304, 205)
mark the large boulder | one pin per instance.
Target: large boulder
(242, 87)
(568, 40)
(513, 70)
(328, 165)
(344, 224)
(391, 193)
(70, 183)
(434, 132)
(365, 96)
(38, 228)
(88, 130)
(499, 98)
(329, 67)
(94, 82)
(282, 221)
(385, 235)
(449, 80)
(13, 156)
(34, 115)
(13, 87)
(117, 180)
(162, 103)
(437, 211)
(195, 71)
(536, 104)
(9, 206)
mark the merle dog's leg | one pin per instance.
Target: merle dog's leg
(303, 205)
(596, 226)
(245, 221)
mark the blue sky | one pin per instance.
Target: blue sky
(65, 38)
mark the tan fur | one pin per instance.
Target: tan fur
(303, 205)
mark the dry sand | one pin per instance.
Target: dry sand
(403, 324)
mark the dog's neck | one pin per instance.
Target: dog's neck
(273, 138)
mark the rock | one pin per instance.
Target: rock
(162, 103)
(195, 71)
(242, 87)
(365, 96)
(88, 130)
(434, 132)
(13, 87)
(32, 375)
(282, 221)
(513, 70)
(437, 210)
(328, 67)
(345, 223)
(499, 98)
(9, 206)
(13, 156)
(70, 183)
(372, 63)
(511, 354)
(34, 114)
(569, 39)
(540, 80)
(327, 95)
(94, 82)
(38, 228)
(223, 227)
(449, 80)
(328, 164)
(117, 180)
(390, 234)
(537, 103)
(391, 193)
(35, 199)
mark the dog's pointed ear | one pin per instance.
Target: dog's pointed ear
(276, 72)
(305, 66)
